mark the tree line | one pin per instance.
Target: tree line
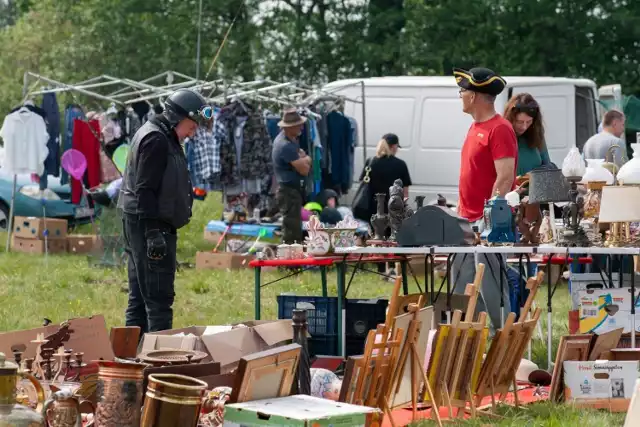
(317, 41)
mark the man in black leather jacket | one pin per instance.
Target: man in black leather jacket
(156, 199)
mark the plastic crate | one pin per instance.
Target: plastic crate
(355, 346)
(323, 346)
(362, 315)
(321, 312)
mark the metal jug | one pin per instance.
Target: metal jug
(11, 413)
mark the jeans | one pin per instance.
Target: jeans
(151, 282)
(464, 271)
(517, 284)
(290, 204)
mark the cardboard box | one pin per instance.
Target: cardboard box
(34, 228)
(300, 411)
(34, 246)
(584, 281)
(221, 260)
(601, 379)
(88, 335)
(211, 236)
(603, 310)
(81, 244)
(225, 344)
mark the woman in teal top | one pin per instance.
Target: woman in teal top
(523, 112)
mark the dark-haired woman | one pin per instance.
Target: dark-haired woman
(523, 112)
(525, 116)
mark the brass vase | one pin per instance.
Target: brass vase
(119, 394)
(172, 400)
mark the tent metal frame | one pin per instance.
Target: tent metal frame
(132, 91)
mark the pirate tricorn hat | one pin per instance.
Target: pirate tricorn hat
(479, 79)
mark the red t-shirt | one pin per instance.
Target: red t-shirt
(485, 142)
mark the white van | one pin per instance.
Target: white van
(426, 114)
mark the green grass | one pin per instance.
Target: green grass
(65, 286)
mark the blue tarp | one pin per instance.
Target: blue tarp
(248, 230)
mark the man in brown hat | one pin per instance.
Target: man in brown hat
(291, 165)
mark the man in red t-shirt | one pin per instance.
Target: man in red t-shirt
(488, 167)
(490, 150)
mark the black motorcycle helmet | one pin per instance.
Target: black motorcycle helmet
(186, 104)
(325, 195)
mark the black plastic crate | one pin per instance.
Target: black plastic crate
(323, 346)
(321, 313)
(355, 346)
(363, 315)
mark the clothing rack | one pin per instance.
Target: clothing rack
(56, 86)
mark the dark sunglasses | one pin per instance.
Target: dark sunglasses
(531, 109)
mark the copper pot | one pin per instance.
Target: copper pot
(172, 400)
(119, 394)
(63, 410)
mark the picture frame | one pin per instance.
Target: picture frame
(570, 347)
(266, 374)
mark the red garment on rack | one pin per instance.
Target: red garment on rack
(85, 140)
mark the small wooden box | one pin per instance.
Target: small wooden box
(81, 243)
(35, 246)
(34, 228)
(221, 260)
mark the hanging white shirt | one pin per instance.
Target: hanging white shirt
(25, 142)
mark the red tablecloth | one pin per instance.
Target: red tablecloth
(305, 262)
(321, 261)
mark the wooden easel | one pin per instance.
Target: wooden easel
(375, 368)
(498, 372)
(410, 355)
(453, 370)
(459, 347)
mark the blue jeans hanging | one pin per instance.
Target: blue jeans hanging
(518, 293)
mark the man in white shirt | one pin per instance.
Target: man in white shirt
(598, 145)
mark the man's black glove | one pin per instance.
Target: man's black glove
(156, 244)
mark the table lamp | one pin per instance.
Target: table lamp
(548, 185)
(573, 169)
(620, 206)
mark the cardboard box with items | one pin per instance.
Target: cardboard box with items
(604, 310)
(222, 260)
(225, 344)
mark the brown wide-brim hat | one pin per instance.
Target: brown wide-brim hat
(479, 79)
(291, 118)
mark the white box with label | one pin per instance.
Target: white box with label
(601, 379)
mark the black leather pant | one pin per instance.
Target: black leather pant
(151, 282)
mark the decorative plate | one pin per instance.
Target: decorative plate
(172, 357)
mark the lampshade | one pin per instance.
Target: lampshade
(548, 185)
(619, 204)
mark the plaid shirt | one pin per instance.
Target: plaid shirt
(205, 162)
